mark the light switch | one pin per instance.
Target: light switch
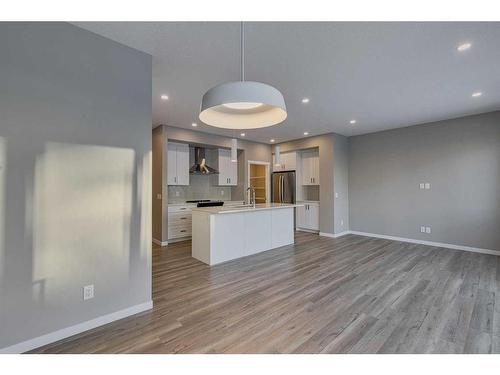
(422, 186)
(88, 292)
(427, 229)
(427, 186)
(422, 229)
(336, 195)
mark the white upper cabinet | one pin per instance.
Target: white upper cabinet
(310, 167)
(228, 170)
(177, 164)
(288, 162)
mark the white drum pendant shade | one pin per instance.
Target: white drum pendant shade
(243, 105)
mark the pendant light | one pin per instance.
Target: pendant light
(243, 104)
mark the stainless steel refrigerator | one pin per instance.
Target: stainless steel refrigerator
(283, 189)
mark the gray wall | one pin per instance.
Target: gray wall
(460, 158)
(75, 189)
(247, 150)
(341, 183)
(157, 165)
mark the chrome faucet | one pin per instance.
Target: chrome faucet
(252, 196)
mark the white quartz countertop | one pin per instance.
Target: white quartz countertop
(194, 204)
(234, 209)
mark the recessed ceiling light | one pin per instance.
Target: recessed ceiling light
(306, 133)
(477, 94)
(194, 124)
(464, 47)
(305, 100)
(352, 122)
(242, 134)
(164, 97)
(271, 140)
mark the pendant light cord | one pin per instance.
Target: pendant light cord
(242, 50)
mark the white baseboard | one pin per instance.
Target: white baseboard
(161, 243)
(429, 243)
(306, 230)
(73, 330)
(174, 240)
(334, 235)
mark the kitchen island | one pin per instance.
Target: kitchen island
(222, 233)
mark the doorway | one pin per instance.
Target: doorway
(258, 178)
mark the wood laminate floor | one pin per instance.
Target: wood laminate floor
(321, 295)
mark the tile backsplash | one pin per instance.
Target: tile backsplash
(200, 187)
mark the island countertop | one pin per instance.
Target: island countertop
(249, 208)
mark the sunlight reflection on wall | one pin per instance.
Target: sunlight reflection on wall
(145, 182)
(82, 209)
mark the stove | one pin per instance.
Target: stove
(210, 204)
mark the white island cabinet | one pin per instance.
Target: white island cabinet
(220, 234)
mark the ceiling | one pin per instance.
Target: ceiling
(384, 75)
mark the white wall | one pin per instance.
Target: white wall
(75, 189)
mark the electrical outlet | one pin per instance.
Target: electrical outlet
(88, 292)
(177, 193)
(427, 186)
(422, 186)
(427, 230)
(422, 229)
(222, 192)
(342, 222)
(336, 195)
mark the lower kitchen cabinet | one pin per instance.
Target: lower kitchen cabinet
(308, 216)
(179, 221)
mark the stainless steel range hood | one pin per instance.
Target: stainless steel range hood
(200, 166)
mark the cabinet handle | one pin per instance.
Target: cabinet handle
(183, 218)
(182, 208)
(182, 231)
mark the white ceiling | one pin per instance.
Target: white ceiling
(384, 75)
